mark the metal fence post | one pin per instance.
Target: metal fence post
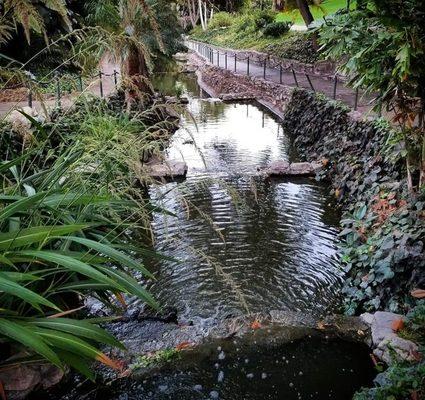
(235, 62)
(247, 67)
(100, 84)
(295, 77)
(264, 69)
(115, 78)
(29, 97)
(280, 73)
(335, 86)
(356, 99)
(309, 82)
(225, 60)
(218, 58)
(58, 90)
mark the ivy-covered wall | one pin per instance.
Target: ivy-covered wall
(382, 227)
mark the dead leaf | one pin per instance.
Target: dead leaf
(337, 193)
(397, 325)
(418, 293)
(121, 299)
(104, 359)
(63, 313)
(256, 325)
(183, 345)
(325, 162)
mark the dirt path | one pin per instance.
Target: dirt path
(320, 84)
(108, 86)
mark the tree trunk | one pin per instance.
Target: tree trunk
(305, 11)
(278, 5)
(137, 73)
(201, 14)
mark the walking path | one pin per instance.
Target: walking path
(228, 59)
(108, 86)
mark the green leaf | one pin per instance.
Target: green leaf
(25, 237)
(131, 285)
(14, 289)
(21, 205)
(20, 333)
(112, 253)
(79, 328)
(71, 264)
(77, 363)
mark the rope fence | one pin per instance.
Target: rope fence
(279, 72)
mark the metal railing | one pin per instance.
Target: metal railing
(57, 82)
(279, 72)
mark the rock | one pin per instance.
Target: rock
(381, 326)
(21, 380)
(387, 345)
(20, 121)
(367, 318)
(168, 169)
(396, 348)
(283, 168)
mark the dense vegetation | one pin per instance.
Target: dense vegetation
(70, 206)
(74, 215)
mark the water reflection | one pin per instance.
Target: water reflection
(245, 244)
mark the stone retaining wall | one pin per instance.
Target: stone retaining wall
(229, 86)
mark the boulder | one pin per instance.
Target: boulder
(388, 346)
(166, 169)
(20, 380)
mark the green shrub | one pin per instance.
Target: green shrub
(263, 18)
(276, 29)
(221, 20)
(245, 23)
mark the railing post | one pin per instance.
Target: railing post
(356, 99)
(295, 77)
(115, 78)
(218, 58)
(29, 97)
(264, 69)
(309, 82)
(58, 90)
(235, 62)
(100, 84)
(225, 60)
(280, 73)
(335, 86)
(247, 66)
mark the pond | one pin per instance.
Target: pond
(245, 244)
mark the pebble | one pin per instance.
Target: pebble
(162, 388)
(198, 388)
(221, 356)
(250, 375)
(214, 394)
(263, 375)
(220, 376)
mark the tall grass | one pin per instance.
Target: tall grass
(70, 201)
